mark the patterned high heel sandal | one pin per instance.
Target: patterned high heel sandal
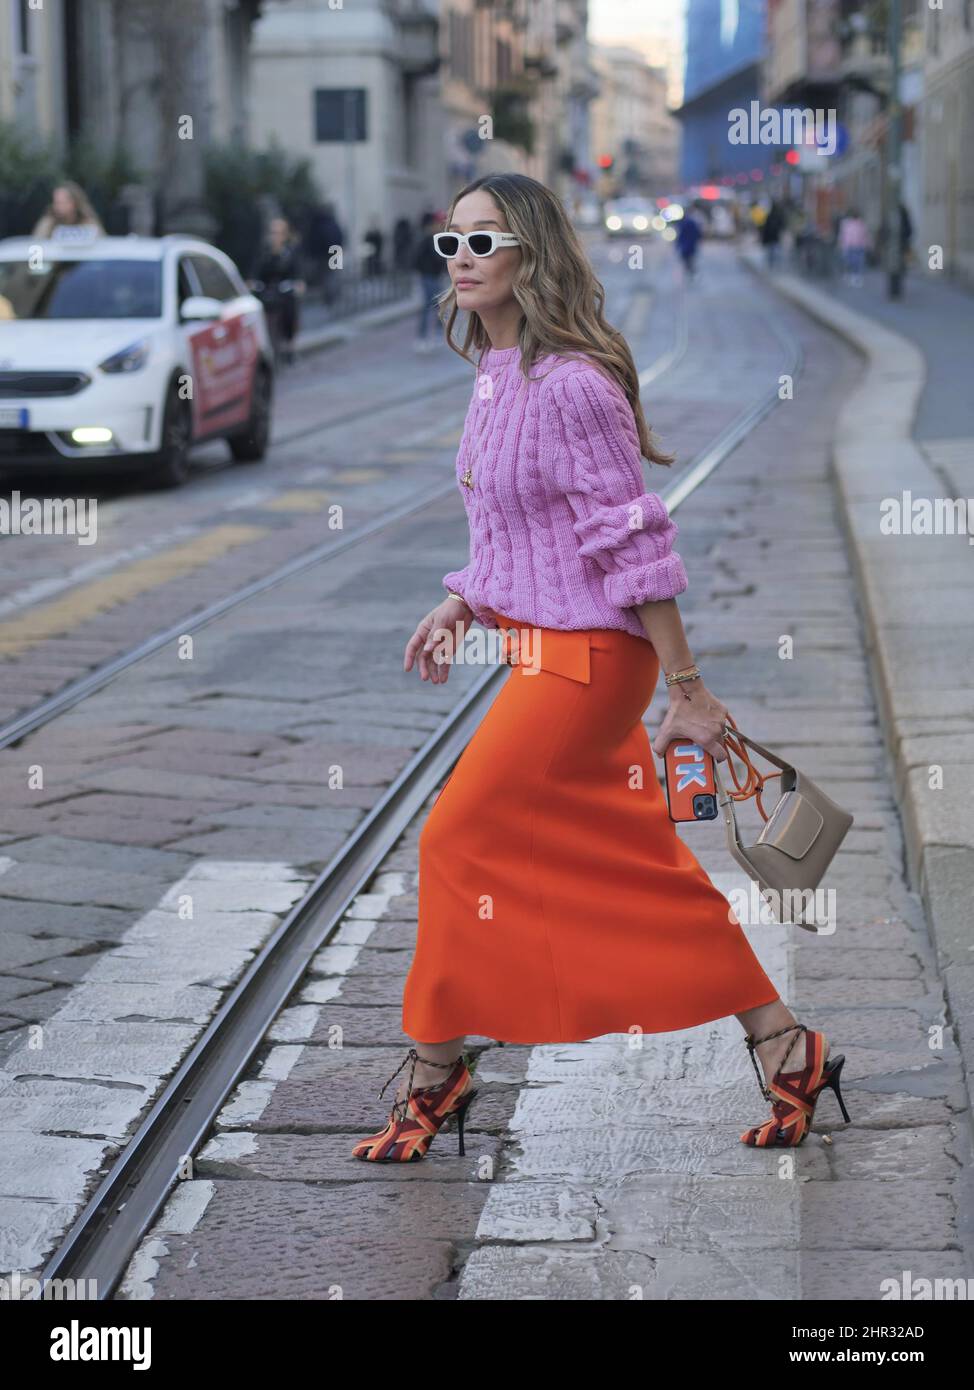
(416, 1119)
(797, 1092)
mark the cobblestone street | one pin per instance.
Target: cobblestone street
(608, 1169)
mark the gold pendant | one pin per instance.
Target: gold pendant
(466, 479)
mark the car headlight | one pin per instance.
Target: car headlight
(130, 359)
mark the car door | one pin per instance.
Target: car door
(232, 356)
(195, 340)
(222, 350)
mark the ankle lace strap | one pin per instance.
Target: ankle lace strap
(412, 1054)
(752, 1042)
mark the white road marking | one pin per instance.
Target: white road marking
(107, 1050)
(291, 1030)
(552, 1204)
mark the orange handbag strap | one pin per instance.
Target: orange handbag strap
(754, 780)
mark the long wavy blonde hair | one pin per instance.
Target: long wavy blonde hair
(558, 291)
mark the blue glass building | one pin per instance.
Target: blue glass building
(725, 42)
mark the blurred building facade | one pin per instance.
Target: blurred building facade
(837, 55)
(394, 103)
(833, 56)
(397, 103)
(632, 124)
(157, 81)
(947, 126)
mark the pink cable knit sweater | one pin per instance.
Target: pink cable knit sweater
(562, 534)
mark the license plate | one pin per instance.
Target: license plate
(12, 418)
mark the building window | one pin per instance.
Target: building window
(339, 114)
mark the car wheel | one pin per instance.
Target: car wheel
(170, 466)
(250, 445)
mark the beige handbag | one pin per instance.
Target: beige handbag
(799, 838)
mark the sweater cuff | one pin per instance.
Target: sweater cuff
(660, 579)
(456, 580)
(633, 543)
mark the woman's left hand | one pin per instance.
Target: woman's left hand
(699, 718)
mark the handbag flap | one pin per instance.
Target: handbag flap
(793, 826)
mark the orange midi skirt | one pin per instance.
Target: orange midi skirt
(556, 900)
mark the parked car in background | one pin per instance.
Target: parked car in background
(124, 352)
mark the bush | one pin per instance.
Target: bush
(30, 169)
(241, 182)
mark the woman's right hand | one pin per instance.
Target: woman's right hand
(427, 637)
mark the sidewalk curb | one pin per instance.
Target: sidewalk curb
(915, 635)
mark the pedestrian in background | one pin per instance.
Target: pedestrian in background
(770, 232)
(688, 234)
(853, 244)
(557, 902)
(324, 234)
(278, 276)
(373, 239)
(402, 243)
(431, 267)
(906, 234)
(69, 207)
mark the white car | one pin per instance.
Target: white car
(632, 215)
(122, 352)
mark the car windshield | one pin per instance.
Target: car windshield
(109, 289)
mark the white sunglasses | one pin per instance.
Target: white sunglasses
(478, 243)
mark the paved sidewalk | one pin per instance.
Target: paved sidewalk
(909, 430)
(937, 316)
(320, 329)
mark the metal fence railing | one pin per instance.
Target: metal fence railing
(815, 256)
(341, 295)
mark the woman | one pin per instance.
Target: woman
(278, 271)
(853, 243)
(69, 207)
(556, 900)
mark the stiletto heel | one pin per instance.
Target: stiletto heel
(832, 1079)
(461, 1116)
(415, 1120)
(796, 1092)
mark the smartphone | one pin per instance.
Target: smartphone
(691, 789)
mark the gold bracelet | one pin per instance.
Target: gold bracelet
(689, 673)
